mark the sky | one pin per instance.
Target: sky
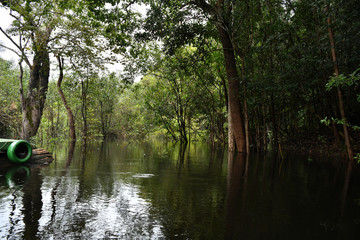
(5, 20)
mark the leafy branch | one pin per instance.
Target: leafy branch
(343, 80)
(328, 121)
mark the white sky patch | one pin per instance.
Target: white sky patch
(5, 22)
(6, 54)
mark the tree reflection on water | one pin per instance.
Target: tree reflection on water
(167, 191)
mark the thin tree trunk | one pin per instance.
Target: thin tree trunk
(21, 88)
(169, 129)
(328, 98)
(264, 128)
(212, 130)
(104, 122)
(258, 144)
(189, 128)
(274, 123)
(339, 93)
(84, 110)
(63, 99)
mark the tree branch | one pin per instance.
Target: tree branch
(23, 56)
(204, 6)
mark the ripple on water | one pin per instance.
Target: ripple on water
(143, 175)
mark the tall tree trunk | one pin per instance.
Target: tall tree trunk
(339, 93)
(233, 81)
(33, 104)
(63, 99)
(246, 115)
(235, 118)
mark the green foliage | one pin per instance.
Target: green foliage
(327, 122)
(344, 81)
(357, 158)
(352, 79)
(182, 92)
(10, 106)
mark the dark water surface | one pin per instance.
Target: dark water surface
(164, 191)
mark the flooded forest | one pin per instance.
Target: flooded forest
(193, 119)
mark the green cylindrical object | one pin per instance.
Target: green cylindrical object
(18, 151)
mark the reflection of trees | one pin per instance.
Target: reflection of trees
(70, 154)
(346, 186)
(14, 178)
(187, 196)
(236, 170)
(182, 150)
(55, 189)
(87, 200)
(32, 204)
(83, 155)
(216, 159)
(104, 165)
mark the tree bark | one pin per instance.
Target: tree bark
(63, 99)
(339, 92)
(231, 138)
(33, 104)
(235, 115)
(246, 115)
(233, 81)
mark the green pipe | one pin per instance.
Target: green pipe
(18, 151)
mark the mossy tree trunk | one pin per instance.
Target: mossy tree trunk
(34, 101)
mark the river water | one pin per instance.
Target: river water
(167, 191)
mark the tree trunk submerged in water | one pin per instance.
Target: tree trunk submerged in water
(33, 104)
(216, 9)
(236, 119)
